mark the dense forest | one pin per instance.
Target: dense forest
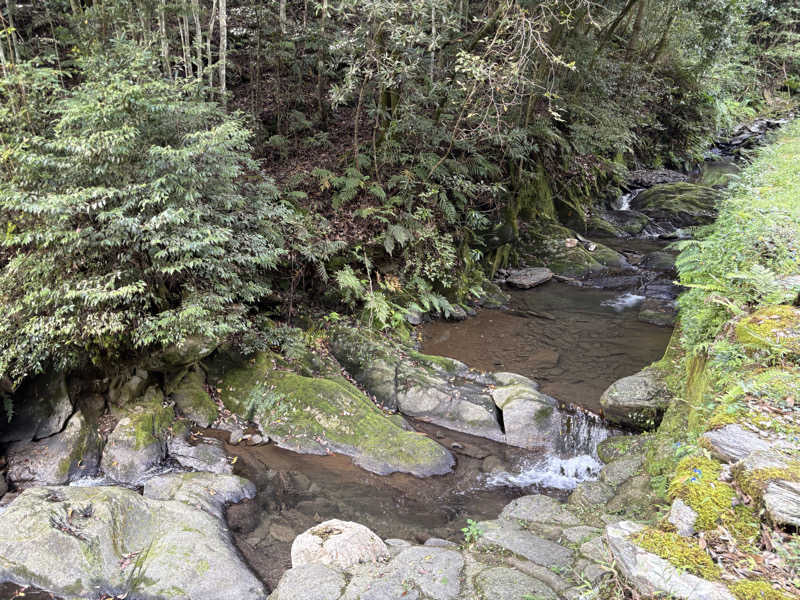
(180, 167)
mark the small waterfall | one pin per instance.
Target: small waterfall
(624, 201)
(581, 432)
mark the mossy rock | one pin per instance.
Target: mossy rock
(684, 553)
(679, 204)
(620, 446)
(193, 400)
(320, 415)
(772, 328)
(756, 590)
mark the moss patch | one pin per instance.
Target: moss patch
(683, 553)
(772, 327)
(756, 590)
(696, 483)
(753, 483)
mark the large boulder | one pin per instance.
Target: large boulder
(207, 491)
(638, 401)
(677, 205)
(525, 279)
(63, 457)
(138, 442)
(189, 351)
(199, 454)
(78, 542)
(320, 415)
(41, 408)
(192, 398)
(646, 178)
(339, 544)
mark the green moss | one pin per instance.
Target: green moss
(756, 590)
(772, 327)
(683, 553)
(150, 423)
(193, 400)
(696, 483)
(698, 201)
(753, 483)
(442, 362)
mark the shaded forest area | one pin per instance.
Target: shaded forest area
(205, 167)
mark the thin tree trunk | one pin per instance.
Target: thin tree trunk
(183, 25)
(356, 122)
(637, 29)
(323, 113)
(282, 16)
(11, 6)
(198, 38)
(223, 48)
(209, 56)
(662, 43)
(433, 39)
(162, 26)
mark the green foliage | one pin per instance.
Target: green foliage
(133, 221)
(472, 532)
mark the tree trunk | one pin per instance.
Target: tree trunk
(198, 39)
(11, 6)
(282, 16)
(223, 49)
(209, 56)
(162, 27)
(323, 111)
(186, 43)
(637, 29)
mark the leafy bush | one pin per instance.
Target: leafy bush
(133, 221)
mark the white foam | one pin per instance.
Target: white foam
(551, 472)
(624, 302)
(90, 482)
(624, 201)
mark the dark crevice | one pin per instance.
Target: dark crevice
(498, 412)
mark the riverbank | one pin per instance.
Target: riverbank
(727, 454)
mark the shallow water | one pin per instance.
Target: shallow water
(592, 338)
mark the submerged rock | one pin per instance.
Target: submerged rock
(651, 575)
(638, 401)
(322, 415)
(79, 542)
(58, 459)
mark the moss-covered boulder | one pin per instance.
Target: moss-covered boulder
(773, 328)
(638, 401)
(677, 205)
(88, 542)
(139, 440)
(63, 457)
(191, 350)
(192, 398)
(316, 415)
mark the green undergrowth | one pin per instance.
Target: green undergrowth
(756, 590)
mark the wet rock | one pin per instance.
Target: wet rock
(439, 543)
(732, 443)
(652, 575)
(782, 502)
(638, 401)
(626, 222)
(322, 415)
(538, 550)
(646, 178)
(659, 261)
(530, 418)
(414, 317)
(620, 470)
(527, 278)
(457, 313)
(492, 464)
(207, 491)
(244, 517)
(138, 442)
(205, 454)
(655, 311)
(234, 429)
(41, 409)
(58, 459)
(491, 296)
(310, 582)
(336, 543)
(192, 399)
(620, 446)
(678, 205)
(503, 583)
(122, 544)
(538, 509)
(282, 533)
(683, 518)
(591, 494)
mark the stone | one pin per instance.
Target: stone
(620, 446)
(651, 575)
(732, 443)
(41, 408)
(58, 459)
(620, 470)
(678, 205)
(657, 311)
(596, 550)
(456, 313)
(207, 491)
(138, 442)
(128, 387)
(113, 539)
(3, 485)
(659, 261)
(581, 534)
(526, 279)
(323, 415)
(309, 582)
(646, 178)
(538, 550)
(530, 418)
(205, 454)
(439, 543)
(491, 296)
(336, 543)
(591, 494)
(538, 509)
(419, 571)
(503, 583)
(282, 533)
(492, 464)
(634, 497)
(193, 400)
(190, 351)
(637, 401)
(683, 518)
(782, 502)
(414, 317)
